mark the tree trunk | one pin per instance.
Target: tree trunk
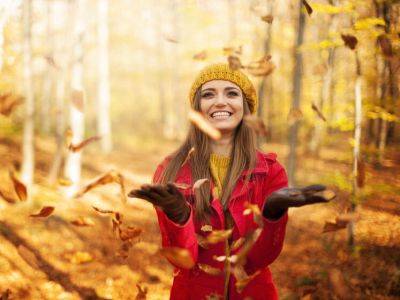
(28, 162)
(297, 79)
(103, 85)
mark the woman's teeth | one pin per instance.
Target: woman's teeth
(220, 115)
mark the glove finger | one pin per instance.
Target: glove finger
(142, 195)
(161, 190)
(313, 188)
(316, 199)
(173, 189)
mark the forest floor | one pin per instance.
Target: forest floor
(49, 258)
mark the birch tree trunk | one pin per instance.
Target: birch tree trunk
(297, 79)
(28, 161)
(72, 168)
(103, 85)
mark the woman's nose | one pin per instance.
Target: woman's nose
(221, 100)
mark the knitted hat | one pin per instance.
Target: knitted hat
(222, 71)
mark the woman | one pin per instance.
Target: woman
(238, 174)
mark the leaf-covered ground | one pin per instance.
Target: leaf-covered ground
(50, 258)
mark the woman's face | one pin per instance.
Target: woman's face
(221, 102)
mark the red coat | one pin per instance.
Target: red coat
(267, 176)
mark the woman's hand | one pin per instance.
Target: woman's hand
(279, 201)
(167, 197)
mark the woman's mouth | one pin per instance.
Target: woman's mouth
(221, 115)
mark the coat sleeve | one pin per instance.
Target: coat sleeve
(270, 242)
(174, 234)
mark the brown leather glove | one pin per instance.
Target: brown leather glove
(167, 197)
(279, 201)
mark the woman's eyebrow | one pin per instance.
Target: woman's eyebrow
(231, 88)
(211, 89)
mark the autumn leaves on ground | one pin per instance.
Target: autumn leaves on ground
(73, 252)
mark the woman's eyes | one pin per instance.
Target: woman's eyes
(206, 95)
(231, 94)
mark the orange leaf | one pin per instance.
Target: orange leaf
(44, 212)
(349, 40)
(217, 236)
(142, 292)
(267, 18)
(335, 226)
(180, 256)
(78, 147)
(319, 113)
(263, 67)
(7, 197)
(209, 269)
(19, 187)
(83, 221)
(234, 62)
(129, 233)
(103, 211)
(198, 120)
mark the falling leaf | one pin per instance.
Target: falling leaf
(209, 269)
(256, 123)
(44, 212)
(179, 256)
(28, 256)
(142, 292)
(349, 40)
(83, 222)
(234, 62)
(103, 211)
(335, 226)
(8, 103)
(198, 120)
(319, 113)
(360, 173)
(77, 99)
(249, 239)
(189, 155)
(238, 243)
(267, 18)
(253, 208)
(64, 182)
(218, 236)
(80, 257)
(295, 115)
(109, 177)
(308, 7)
(261, 67)
(206, 228)
(202, 242)
(7, 197)
(78, 147)
(19, 187)
(242, 279)
(201, 55)
(129, 233)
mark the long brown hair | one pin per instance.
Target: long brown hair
(243, 156)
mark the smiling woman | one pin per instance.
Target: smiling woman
(229, 226)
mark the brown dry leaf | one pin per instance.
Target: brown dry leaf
(7, 198)
(234, 62)
(78, 147)
(267, 18)
(218, 236)
(123, 251)
(335, 226)
(209, 269)
(261, 67)
(142, 292)
(242, 279)
(103, 211)
(200, 56)
(181, 257)
(308, 7)
(19, 187)
(206, 228)
(109, 177)
(256, 123)
(360, 173)
(385, 45)
(349, 40)
(253, 208)
(248, 243)
(182, 186)
(5, 295)
(28, 256)
(295, 115)
(44, 212)
(188, 156)
(198, 120)
(82, 222)
(338, 283)
(202, 242)
(77, 98)
(80, 257)
(64, 182)
(129, 233)
(319, 113)
(8, 103)
(238, 243)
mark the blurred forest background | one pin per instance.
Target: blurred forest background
(94, 93)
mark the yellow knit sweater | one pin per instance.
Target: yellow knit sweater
(218, 167)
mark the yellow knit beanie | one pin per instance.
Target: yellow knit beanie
(222, 71)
